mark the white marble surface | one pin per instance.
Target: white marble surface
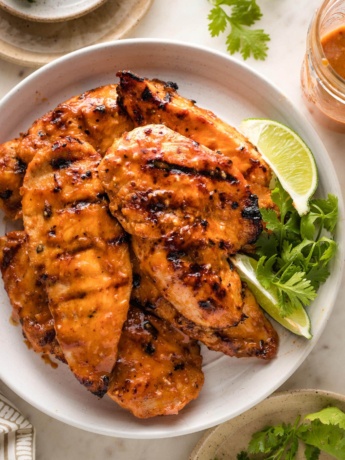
(287, 23)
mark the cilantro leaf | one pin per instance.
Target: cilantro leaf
(327, 438)
(311, 452)
(294, 252)
(317, 275)
(323, 215)
(246, 12)
(239, 16)
(271, 220)
(292, 288)
(293, 255)
(243, 456)
(276, 442)
(295, 291)
(266, 245)
(217, 21)
(327, 249)
(322, 431)
(329, 416)
(328, 211)
(247, 42)
(283, 200)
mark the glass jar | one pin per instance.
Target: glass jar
(323, 88)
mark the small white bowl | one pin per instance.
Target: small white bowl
(230, 438)
(50, 10)
(34, 44)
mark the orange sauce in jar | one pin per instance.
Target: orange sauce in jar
(323, 68)
(333, 44)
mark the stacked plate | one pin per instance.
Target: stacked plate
(34, 32)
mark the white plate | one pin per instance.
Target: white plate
(34, 43)
(228, 439)
(233, 92)
(50, 10)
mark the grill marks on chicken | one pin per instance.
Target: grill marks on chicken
(27, 295)
(81, 253)
(158, 370)
(199, 281)
(254, 336)
(155, 101)
(162, 184)
(93, 117)
(12, 171)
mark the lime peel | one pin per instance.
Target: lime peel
(298, 322)
(289, 157)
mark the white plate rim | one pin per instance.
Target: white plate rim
(148, 430)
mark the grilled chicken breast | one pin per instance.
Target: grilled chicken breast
(81, 252)
(184, 205)
(27, 295)
(199, 281)
(158, 370)
(254, 336)
(162, 184)
(93, 117)
(154, 101)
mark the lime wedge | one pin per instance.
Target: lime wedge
(298, 322)
(288, 156)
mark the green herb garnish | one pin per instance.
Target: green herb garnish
(321, 431)
(237, 17)
(294, 254)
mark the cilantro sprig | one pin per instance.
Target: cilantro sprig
(295, 252)
(237, 18)
(321, 431)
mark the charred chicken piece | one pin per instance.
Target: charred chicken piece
(93, 117)
(198, 281)
(254, 336)
(27, 295)
(154, 101)
(162, 184)
(158, 370)
(12, 171)
(81, 253)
